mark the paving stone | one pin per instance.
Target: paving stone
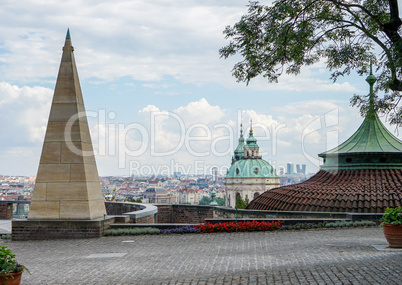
(283, 257)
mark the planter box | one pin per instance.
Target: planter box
(393, 234)
(14, 280)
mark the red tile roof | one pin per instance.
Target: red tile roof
(359, 191)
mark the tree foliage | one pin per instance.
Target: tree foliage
(240, 203)
(220, 201)
(288, 34)
(133, 200)
(207, 201)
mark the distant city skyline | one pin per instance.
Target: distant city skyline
(157, 95)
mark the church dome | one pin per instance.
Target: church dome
(249, 175)
(251, 168)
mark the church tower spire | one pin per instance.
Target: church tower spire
(239, 151)
(251, 150)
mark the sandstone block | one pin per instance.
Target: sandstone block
(53, 173)
(44, 210)
(40, 192)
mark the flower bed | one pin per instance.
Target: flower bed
(239, 227)
(229, 227)
(183, 230)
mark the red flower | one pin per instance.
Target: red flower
(240, 226)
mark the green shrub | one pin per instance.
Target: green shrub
(392, 216)
(304, 226)
(341, 224)
(8, 264)
(132, 231)
(240, 203)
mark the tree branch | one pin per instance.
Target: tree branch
(343, 4)
(391, 28)
(330, 30)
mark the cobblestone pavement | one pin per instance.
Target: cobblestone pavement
(326, 256)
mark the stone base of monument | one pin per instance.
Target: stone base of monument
(24, 229)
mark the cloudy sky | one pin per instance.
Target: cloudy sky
(158, 97)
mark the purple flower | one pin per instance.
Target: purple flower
(182, 230)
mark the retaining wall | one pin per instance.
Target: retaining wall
(46, 229)
(138, 213)
(6, 210)
(195, 214)
(229, 213)
(184, 214)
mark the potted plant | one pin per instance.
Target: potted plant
(392, 224)
(10, 269)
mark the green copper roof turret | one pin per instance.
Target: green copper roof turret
(251, 141)
(371, 146)
(371, 79)
(239, 151)
(213, 197)
(68, 34)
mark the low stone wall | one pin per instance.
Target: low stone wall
(6, 210)
(364, 216)
(285, 221)
(138, 213)
(165, 214)
(229, 213)
(144, 220)
(118, 212)
(195, 214)
(184, 214)
(23, 230)
(119, 208)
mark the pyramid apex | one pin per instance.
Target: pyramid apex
(67, 45)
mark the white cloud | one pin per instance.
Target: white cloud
(311, 107)
(196, 132)
(200, 112)
(142, 40)
(19, 160)
(311, 79)
(24, 111)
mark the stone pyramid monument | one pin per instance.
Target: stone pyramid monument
(67, 184)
